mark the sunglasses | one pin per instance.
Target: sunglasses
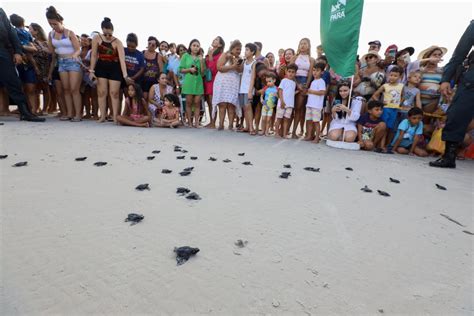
(370, 57)
(108, 35)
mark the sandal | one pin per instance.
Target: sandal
(64, 118)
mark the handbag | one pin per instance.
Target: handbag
(436, 144)
(208, 75)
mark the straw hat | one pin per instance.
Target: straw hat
(428, 51)
(371, 52)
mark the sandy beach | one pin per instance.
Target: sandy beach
(317, 244)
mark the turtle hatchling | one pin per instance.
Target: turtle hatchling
(212, 159)
(20, 164)
(366, 189)
(184, 253)
(287, 166)
(241, 154)
(185, 173)
(188, 169)
(166, 171)
(150, 157)
(100, 163)
(3, 156)
(81, 158)
(226, 160)
(383, 193)
(156, 151)
(134, 218)
(180, 157)
(193, 196)
(439, 186)
(394, 180)
(349, 169)
(142, 187)
(311, 169)
(285, 175)
(247, 163)
(182, 190)
(194, 158)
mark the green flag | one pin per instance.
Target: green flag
(340, 27)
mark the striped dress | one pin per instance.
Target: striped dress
(429, 86)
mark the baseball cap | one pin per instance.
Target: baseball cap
(375, 43)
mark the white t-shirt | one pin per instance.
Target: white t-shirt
(316, 101)
(288, 86)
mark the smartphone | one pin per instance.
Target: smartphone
(240, 61)
(392, 52)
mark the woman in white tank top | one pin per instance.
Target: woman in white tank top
(305, 63)
(66, 50)
(247, 91)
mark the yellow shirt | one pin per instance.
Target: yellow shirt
(392, 96)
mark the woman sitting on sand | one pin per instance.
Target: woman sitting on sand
(170, 112)
(136, 111)
(156, 95)
(344, 115)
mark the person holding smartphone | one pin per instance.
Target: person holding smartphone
(192, 67)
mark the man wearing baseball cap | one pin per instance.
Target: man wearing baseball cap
(375, 45)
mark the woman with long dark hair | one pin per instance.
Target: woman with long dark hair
(108, 67)
(192, 66)
(213, 55)
(42, 58)
(345, 114)
(66, 49)
(153, 65)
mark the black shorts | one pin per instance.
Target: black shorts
(55, 76)
(108, 70)
(146, 85)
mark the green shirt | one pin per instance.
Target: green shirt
(192, 83)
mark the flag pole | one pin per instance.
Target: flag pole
(349, 106)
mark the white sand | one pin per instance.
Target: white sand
(317, 245)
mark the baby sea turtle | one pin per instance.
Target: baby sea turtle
(439, 186)
(285, 175)
(366, 189)
(226, 160)
(134, 218)
(185, 173)
(383, 193)
(188, 169)
(156, 151)
(247, 163)
(180, 157)
(349, 169)
(142, 187)
(177, 148)
(394, 180)
(81, 158)
(212, 159)
(20, 164)
(100, 163)
(241, 154)
(287, 166)
(182, 190)
(166, 171)
(184, 253)
(241, 243)
(150, 157)
(3, 156)
(2, 124)
(193, 196)
(184, 151)
(311, 169)
(194, 158)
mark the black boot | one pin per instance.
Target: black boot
(449, 158)
(26, 115)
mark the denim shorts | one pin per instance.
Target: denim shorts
(301, 79)
(389, 116)
(68, 65)
(26, 73)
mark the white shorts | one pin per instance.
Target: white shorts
(281, 113)
(313, 114)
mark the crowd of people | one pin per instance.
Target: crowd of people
(392, 104)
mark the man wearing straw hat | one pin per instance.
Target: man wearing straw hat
(461, 111)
